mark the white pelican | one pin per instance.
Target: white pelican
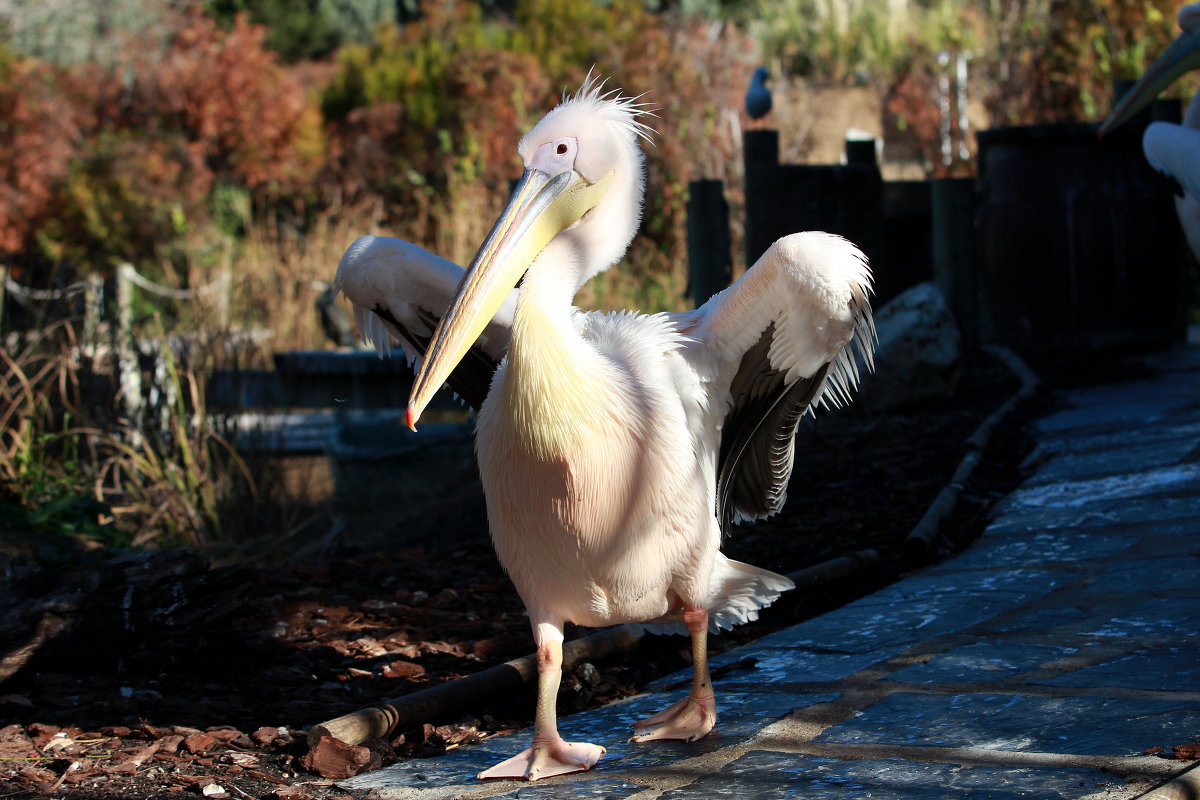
(1173, 150)
(615, 449)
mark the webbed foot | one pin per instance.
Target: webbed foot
(689, 719)
(546, 759)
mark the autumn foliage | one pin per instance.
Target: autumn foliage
(120, 164)
(41, 134)
(427, 116)
(168, 153)
(172, 156)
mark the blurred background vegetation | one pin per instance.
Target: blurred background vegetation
(181, 136)
(258, 138)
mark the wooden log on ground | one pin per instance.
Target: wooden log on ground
(453, 696)
(835, 569)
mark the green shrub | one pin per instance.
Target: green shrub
(308, 28)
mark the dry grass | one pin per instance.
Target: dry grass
(280, 273)
(75, 468)
(38, 390)
(174, 478)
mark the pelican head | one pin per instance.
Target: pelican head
(1181, 56)
(575, 210)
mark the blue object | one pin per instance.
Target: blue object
(758, 96)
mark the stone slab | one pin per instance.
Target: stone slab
(1063, 619)
(766, 775)
(983, 662)
(1113, 622)
(1114, 461)
(1102, 440)
(1014, 515)
(1134, 415)
(918, 608)
(777, 663)
(1118, 406)
(593, 789)
(740, 716)
(1033, 550)
(1174, 573)
(1167, 618)
(1159, 480)
(1164, 669)
(1099, 726)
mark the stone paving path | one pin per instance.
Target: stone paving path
(1042, 663)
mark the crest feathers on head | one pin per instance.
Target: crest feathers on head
(625, 111)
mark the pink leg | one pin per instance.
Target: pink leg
(693, 716)
(548, 755)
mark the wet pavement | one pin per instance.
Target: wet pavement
(1059, 657)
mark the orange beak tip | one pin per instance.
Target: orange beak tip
(410, 419)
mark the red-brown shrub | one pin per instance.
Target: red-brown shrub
(103, 166)
(41, 130)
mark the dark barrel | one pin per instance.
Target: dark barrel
(1079, 244)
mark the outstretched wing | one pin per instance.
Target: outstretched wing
(399, 291)
(783, 338)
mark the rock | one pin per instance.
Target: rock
(296, 792)
(402, 669)
(198, 743)
(333, 758)
(211, 789)
(918, 353)
(265, 735)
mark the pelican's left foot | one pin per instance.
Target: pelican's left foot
(689, 719)
(546, 759)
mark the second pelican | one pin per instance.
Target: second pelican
(1173, 150)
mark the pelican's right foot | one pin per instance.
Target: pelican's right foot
(688, 720)
(546, 759)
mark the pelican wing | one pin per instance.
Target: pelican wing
(783, 338)
(755, 459)
(399, 291)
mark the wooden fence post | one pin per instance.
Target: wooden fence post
(710, 264)
(223, 298)
(127, 352)
(955, 263)
(760, 153)
(93, 311)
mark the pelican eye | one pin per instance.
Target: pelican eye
(562, 149)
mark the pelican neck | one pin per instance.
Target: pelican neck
(554, 386)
